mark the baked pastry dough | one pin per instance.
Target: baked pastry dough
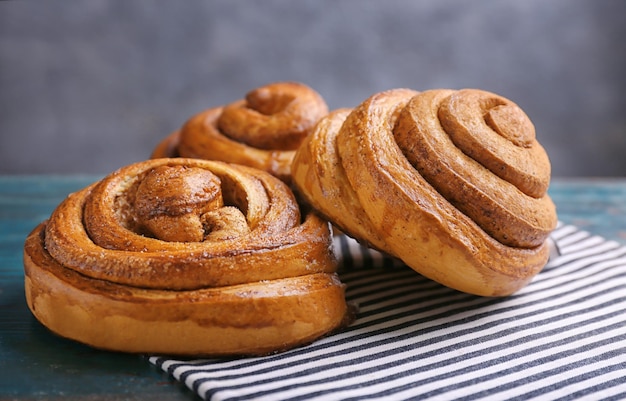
(454, 183)
(261, 131)
(184, 256)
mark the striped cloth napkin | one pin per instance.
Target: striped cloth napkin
(561, 337)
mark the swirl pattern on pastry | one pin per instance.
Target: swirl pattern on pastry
(261, 131)
(454, 183)
(169, 249)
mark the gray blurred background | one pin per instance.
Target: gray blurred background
(89, 86)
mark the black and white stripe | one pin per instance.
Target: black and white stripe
(561, 337)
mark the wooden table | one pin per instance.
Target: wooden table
(37, 365)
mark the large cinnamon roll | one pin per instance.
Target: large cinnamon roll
(454, 183)
(184, 256)
(261, 131)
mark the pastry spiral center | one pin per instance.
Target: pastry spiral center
(174, 203)
(273, 117)
(511, 123)
(267, 103)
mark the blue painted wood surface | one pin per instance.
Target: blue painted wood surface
(595, 205)
(35, 364)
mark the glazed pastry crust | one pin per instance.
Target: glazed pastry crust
(261, 131)
(246, 319)
(260, 280)
(474, 225)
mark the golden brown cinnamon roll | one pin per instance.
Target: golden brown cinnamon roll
(261, 131)
(454, 183)
(184, 256)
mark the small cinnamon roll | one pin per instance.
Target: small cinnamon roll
(186, 257)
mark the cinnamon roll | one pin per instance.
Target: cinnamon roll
(186, 257)
(454, 183)
(261, 131)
